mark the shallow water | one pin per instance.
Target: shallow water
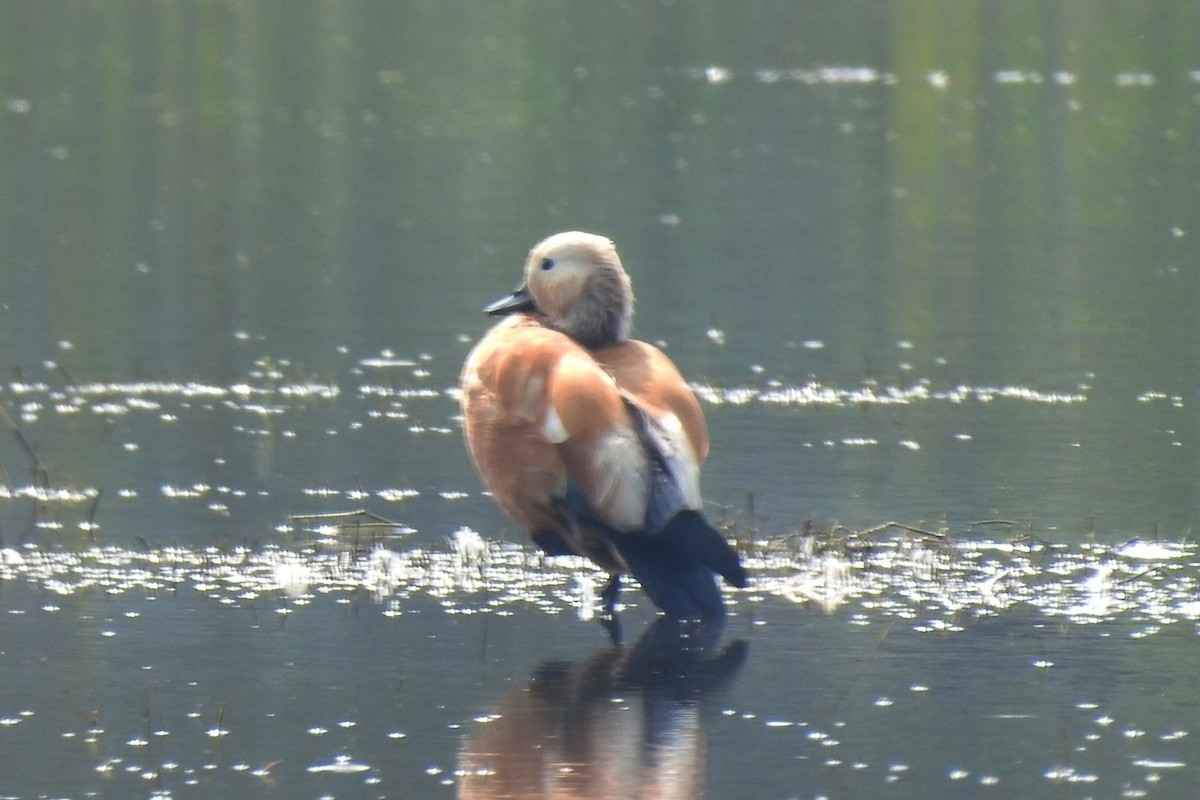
(926, 266)
(886, 668)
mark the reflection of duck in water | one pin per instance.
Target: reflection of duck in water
(590, 440)
(624, 723)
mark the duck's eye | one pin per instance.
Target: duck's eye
(547, 264)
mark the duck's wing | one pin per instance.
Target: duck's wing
(671, 515)
(558, 440)
(674, 551)
(503, 407)
(644, 372)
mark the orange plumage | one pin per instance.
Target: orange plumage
(590, 440)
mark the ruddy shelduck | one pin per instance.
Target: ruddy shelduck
(590, 440)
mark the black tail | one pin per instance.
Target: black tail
(675, 565)
(676, 553)
(682, 587)
(690, 534)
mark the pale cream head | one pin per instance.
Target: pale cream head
(580, 288)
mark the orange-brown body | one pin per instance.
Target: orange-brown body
(541, 411)
(588, 439)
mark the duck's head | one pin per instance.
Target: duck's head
(574, 283)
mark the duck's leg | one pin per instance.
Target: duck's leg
(609, 594)
(608, 609)
(612, 626)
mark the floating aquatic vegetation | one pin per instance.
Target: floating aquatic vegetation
(1152, 396)
(862, 75)
(48, 494)
(939, 584)
(814, 393)
(371, 390)
(119, 398)
(929, 582)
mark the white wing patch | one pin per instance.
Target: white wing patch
(552, 426)
(682, 459)
(621, 480)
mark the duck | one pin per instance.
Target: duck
(590, 440)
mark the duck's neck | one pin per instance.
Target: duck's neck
(604, 315)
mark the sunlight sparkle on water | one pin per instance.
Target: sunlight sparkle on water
(899, 579)
(341, 765)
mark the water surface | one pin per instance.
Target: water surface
(924, 264)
